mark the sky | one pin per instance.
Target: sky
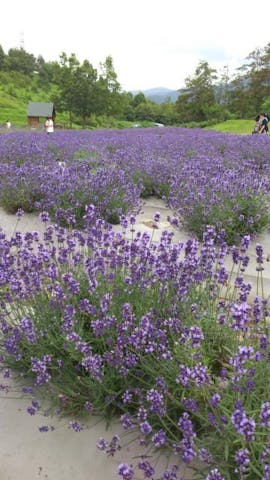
(153, 43)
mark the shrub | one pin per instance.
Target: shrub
(238, 215)
(21, 189)
(154, 331)
(72, 188)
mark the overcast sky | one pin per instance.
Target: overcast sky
(153, 43)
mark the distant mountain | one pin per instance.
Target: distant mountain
(159, 94)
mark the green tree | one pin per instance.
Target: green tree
(64, 77)
(222, 92)
(83, 91)
(109, 99)
(167, 114)
(253, 74)
(2, 58)
(19, 60)
(46, 71)
(145, 111)
(239, 101)
(127, 105)
(138, 99)
(199, 94)
(251, 88)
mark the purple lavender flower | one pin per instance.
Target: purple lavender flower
(126, 471)
(20, 213)
(28, 328)
(199, 375)
(88, 406)
(243, 425)
(7, 373)
(93, 364)
(39, 367)
(72, 284)
(127, 422)
(257, 310)
(159, 438)
(28, 390)
(157, 217)
(215, 399)
(44, 428)
(187, 450)
(76, 426)
(145, 428)
(259, 258)
(156, 401)
(127, 397)
(147, 468)
(184, 375)
(44, 217)
(124, 222)
(196, 336)
(33, 408)
(170, 474)
(190, 404)
(242, 460)
(142, 413)
(212, 419)
(132, 220)
(185, 425)
(240, 314)
(265, 414)
(205, 456)
(68, 318)
(102, 444)
(161, 383)
(113, 446)
(263, 342)
(214, 475)
(266, 472)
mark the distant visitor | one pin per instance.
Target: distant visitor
(261, 123)
(49, 126)
(8, 124)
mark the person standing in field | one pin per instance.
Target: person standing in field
(8, 124)
(49, 126)
(257, 125)
(263, 123)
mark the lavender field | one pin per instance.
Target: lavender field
(207, 178)
(155, 333)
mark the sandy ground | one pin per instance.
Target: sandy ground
(62, 454)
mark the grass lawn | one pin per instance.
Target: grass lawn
(234, 126)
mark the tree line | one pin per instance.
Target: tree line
(208, 96)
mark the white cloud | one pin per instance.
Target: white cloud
(152, 43)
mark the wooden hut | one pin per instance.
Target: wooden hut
(37, 112)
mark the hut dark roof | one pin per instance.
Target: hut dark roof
(40, 109)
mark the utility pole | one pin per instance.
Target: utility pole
(22, 39)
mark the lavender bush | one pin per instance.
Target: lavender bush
(72, 188)
(67, 189)
(157, 333)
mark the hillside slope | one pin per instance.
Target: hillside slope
(16, 91)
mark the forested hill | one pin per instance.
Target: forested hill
(90, 97)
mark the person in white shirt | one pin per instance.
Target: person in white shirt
(49, 126)
(8, 124)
